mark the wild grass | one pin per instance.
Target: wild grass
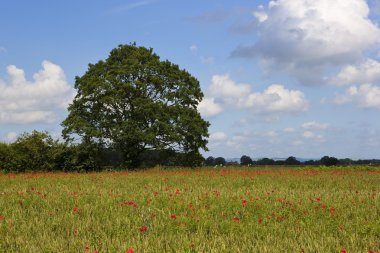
(204, 210)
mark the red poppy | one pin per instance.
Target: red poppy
(75, 209)
(2, 217)
(260, 220)
(343, 251)
(244, 202)
(87, 248)
(173, 217)
(130, 251)
(236, 219)
(143, 229)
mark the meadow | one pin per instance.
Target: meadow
(263, 209)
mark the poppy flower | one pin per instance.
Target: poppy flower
(143, 229)
(75, 209)
(173, 217)
(130, 251)
(2, 217)
(236, 219)
(343, 251)
(244, 202)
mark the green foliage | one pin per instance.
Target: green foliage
(246, 160)
(35, 152)
(329, 161)
(134, 102)
(220, 161)
(291, 160)
(210, 161)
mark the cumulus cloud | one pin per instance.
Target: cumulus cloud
(367, 71)
(315, 125)
(365, 95)
(39, 100)
(218, 136)
(223, 86)
(303, 37)
(208, 107)
(276, 98)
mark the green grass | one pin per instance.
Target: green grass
(205, 210)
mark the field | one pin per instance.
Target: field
(265, 209)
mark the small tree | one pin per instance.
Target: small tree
(33, 151)
(291, 160)
(246, 160)
(220, 161)
(210, 161)
(329, 161)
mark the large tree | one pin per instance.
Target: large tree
(133, 102)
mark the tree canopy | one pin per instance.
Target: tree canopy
(133, 102)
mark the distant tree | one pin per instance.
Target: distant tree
(310, 162)
(291, 160)
(329, 161)
(265, 161)
(133, 102)
(346, 161)
(246, 160)
(279, 162)
(210, 161)
(220, 161)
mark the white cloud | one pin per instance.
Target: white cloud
(308, 135)
(218, 136)
(289, 130)
(11, 137)
(24, 102)
(276, 99)
(303, 37)
(208, 107)
(313, 136)
(224, 86)
(194, 49)
(315, 125)
(367, 71)
(366, 96)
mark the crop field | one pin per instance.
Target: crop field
(265, 209)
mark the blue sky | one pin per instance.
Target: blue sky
(280, 78)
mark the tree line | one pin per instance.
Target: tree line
(39, 151)
(291, 160)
